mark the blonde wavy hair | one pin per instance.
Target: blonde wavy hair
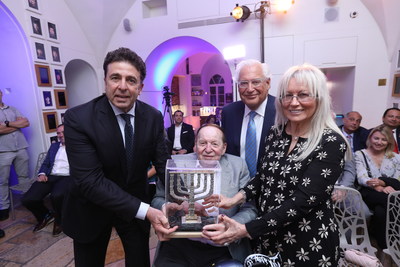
(313, 79)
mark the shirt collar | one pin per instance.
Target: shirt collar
(5, 106)
(118, 111)
(260, 110)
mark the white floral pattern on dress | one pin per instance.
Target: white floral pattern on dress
(293, 198)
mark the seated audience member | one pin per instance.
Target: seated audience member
(212, 119)
(391, 119)
(53, 178)
(2, 234)
(356, 134)
(210, 145)
(378, 173)
(181, 135)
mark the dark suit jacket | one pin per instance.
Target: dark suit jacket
(187, 137)
(232, 118)
(397, 133)
(48, 162)
(101, 187)
(360, 137)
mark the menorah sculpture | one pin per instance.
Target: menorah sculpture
(185, 190)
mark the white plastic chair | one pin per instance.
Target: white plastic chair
(393, 227)
(350, 216)
(22, 188)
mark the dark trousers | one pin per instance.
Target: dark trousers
(377, 202)
(135, 240)
(181, 252)
(56, 186)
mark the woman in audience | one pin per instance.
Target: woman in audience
(304, 156)
(378, 173)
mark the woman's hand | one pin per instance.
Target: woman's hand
(388, 190)
(225, 232)
(374, 182)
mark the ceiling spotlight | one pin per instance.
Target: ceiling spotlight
(240, 13)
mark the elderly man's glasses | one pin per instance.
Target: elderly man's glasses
(301, 97)
(254, 83)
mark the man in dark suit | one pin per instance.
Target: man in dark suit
(253, 79)
(391, 118)
(111, 141)
(181, 135)
(53, 178)
(356, 135)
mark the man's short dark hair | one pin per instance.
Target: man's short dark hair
(124, 54)
(178, 111)
(389, 109)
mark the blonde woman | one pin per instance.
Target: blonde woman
(378, 173)
(304, 156)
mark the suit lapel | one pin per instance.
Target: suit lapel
(108, 128)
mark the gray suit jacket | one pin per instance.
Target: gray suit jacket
(235, 175)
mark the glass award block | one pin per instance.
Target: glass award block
(187, 183)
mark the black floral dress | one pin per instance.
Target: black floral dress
(294, 201)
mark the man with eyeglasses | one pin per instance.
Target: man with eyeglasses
(255, 111)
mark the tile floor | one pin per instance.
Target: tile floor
(22, 247)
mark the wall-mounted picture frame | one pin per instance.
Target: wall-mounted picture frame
(53, 139)
(39, 51)
(58, 76)
(43, 75)
(52, 32)
(398, 60)
(32, 5)
(61, 98)
(50, 121)
(62, 117)
(55, 55)
(396, 85)
(47, 101)
(36, 27)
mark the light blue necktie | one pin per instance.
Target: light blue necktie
(251, 145)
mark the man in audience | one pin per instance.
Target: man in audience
(53, 178)
(181, 135)
(248, 121)
(356, 134)
(12, 152)
(111, 142)
(210, 145)
(391, 118)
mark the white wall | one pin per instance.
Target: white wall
(286, 38)
(72, 44)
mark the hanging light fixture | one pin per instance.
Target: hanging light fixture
(240, 13)
(261, 9)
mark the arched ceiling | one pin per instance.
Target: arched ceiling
(99, 19)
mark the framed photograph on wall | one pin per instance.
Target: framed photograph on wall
(53, 139)
(52, 32)
(50, 121)
(43, 76)
(58, 76)
(396, 85)
(48, 102)
(36, 27)
(61, 98)
(32, 5)
(39, 51)
(55, 54)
